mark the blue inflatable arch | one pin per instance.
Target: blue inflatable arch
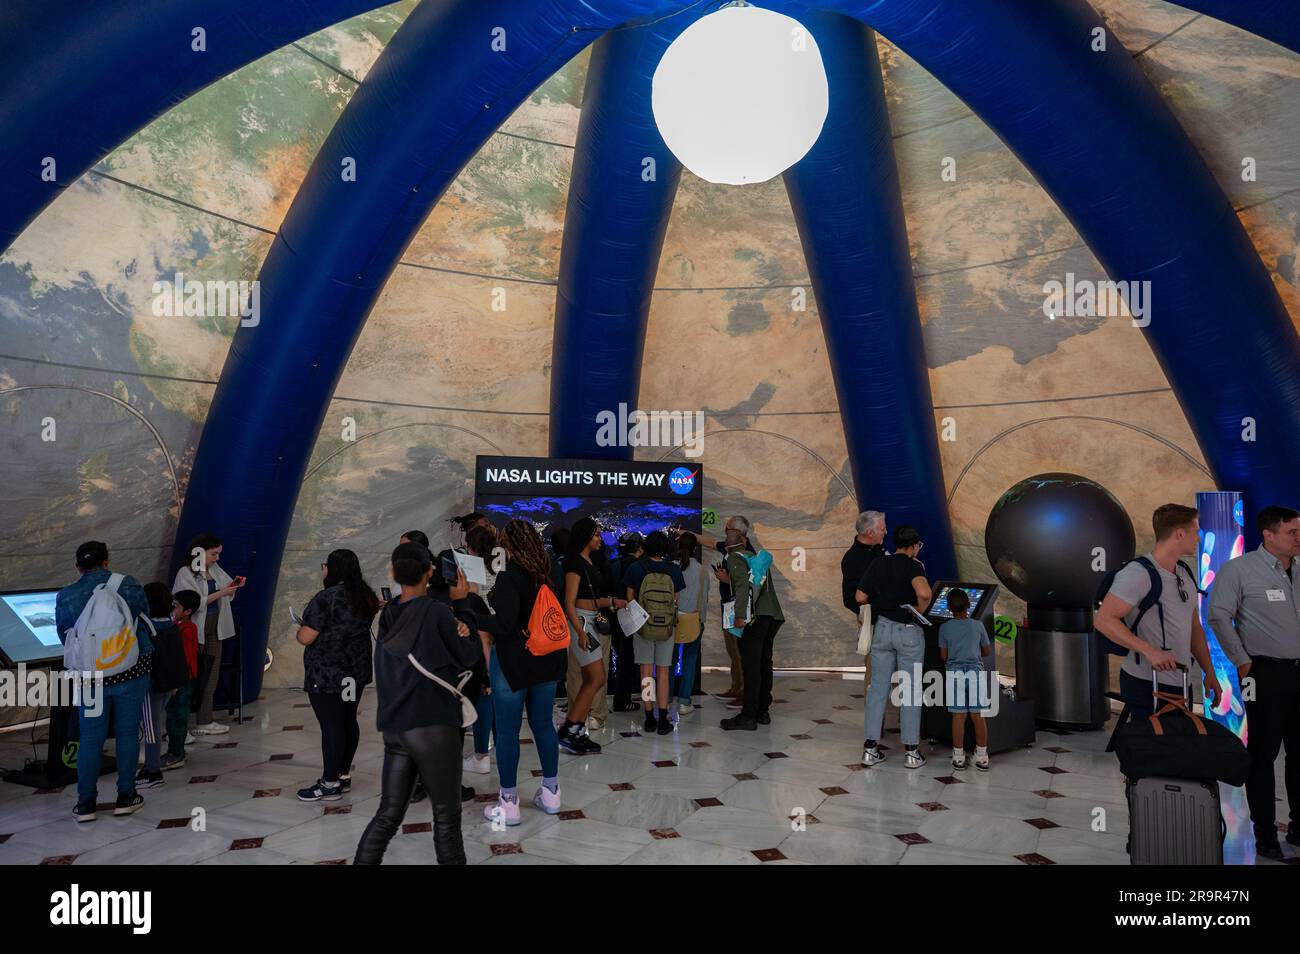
(105, 69)
(1141, 197)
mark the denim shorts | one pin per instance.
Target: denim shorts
(964, 689)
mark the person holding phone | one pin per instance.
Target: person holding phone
(203, 573)
(335, 632)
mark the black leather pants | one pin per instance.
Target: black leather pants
(433, 754)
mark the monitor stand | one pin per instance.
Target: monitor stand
(54, 771)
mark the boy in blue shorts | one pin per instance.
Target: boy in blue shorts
(963, 642)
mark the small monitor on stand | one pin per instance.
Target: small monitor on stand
(28, 633)
(983, 596)
(29, 636)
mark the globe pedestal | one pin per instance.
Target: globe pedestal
(1062, 667)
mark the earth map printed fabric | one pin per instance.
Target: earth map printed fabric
(438, 376)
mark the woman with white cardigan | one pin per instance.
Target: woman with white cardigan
(202, 574)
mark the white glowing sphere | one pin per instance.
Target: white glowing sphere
(741, 95)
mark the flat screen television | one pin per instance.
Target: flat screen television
(622, 496)
(28, 633)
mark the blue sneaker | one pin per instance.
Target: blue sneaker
(321, 792)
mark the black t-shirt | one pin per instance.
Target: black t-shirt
(588, 576)
(888, 585)
(857, 560)
(342, 650)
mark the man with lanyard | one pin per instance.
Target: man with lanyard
(1255, 613)
(1169, 636)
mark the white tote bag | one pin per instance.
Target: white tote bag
(864, 631)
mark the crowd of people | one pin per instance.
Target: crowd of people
(446, 654)
(1253, 611)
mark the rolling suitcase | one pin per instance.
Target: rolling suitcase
(1174, 821)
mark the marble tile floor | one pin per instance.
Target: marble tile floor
(793, 792)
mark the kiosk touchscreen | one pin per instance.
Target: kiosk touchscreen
(28, 633)
(981, 599)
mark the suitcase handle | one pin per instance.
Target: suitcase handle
(1155, 686)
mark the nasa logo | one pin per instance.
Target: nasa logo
(682, 481)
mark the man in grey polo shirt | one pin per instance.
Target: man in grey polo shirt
(1255, 613)
(1169, 635)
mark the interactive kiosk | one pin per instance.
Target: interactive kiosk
(29, 637)
(1012, 726)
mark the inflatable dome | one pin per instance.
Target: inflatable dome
(469, 242)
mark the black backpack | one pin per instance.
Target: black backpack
(170, 668)
(1151, 599)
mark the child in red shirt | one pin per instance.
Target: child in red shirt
(185, 605)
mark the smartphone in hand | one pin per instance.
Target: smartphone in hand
(386, 593)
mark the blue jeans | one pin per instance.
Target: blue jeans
(690, 656)
(124, 704)
(508, 707)
(894, 647)
(483, 727)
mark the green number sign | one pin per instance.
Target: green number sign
(708, 518)
(1004, 629)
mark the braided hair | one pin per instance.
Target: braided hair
(524, 545)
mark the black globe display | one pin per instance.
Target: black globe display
(1051, 539)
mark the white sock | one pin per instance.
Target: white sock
(982, 751)
(958, 753)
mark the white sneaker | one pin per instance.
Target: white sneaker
(547, 800)
(594, 724)
(872, 757)
(685, 710)
(982, 762)
(914, 759)
(959, 761)
(189, 738)
(477, 764)
(507, 812)
(212, 728)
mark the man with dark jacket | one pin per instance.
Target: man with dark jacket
(420, 717)
(867, 546)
